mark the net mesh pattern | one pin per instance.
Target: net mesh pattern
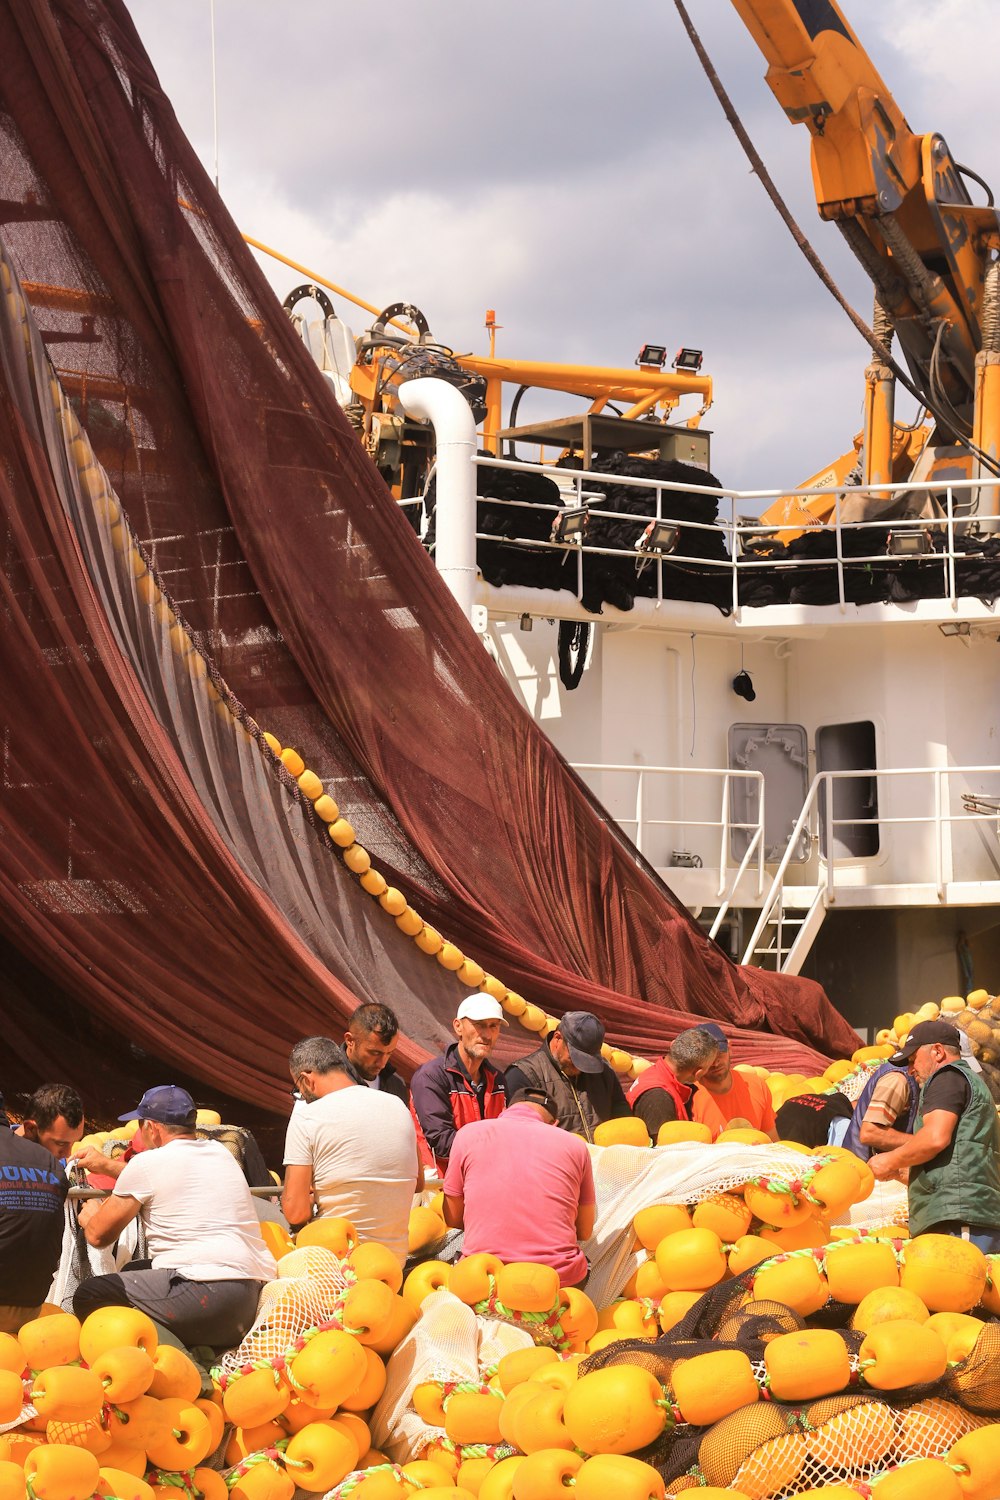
(450, 1343)
(136, 859)
(628, 1178)
(308, 1292)
(772, 1449)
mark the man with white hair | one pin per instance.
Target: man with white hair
(461, 1085)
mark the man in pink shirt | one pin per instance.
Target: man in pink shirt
(521, 1190)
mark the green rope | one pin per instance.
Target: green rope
(492, 1307)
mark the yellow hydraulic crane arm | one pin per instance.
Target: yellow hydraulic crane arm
(899, 198)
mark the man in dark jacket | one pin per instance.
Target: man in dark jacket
(460, 1086)
(570, 1069)
(369, 1042)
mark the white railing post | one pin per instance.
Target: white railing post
(831, 857)
(761, 825)
(723, 834)
(939, 832)
(734, 558)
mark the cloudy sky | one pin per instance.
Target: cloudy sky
(565, 162)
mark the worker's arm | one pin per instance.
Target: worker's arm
(431, 1103)
(882, 1137)
(585, 1221)
(92, 1160)
(297, 1196)
(454, 1212)
(420, 1174)
(109, 1220)
(889, 1103)
(934, 1135)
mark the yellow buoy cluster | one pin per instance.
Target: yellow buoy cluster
(474, 1438)
(105, 1410)
(119, 1416)
(783, 1223)
(814, 1417)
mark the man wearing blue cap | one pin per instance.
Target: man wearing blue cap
(208, 1261)
(724, 1096)
(570, 1068)
(952, 1159)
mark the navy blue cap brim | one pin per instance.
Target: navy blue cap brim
(585, 1061)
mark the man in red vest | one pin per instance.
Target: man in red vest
(663, 1092)
(460, 1086)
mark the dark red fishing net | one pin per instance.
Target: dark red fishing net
(156, 870)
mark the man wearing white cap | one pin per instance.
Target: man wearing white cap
(460, 1086)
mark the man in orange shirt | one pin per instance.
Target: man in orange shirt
(724, 1097)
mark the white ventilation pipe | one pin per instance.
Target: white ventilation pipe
(437, 402)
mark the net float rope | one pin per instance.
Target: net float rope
(296, 777)
(469, 973)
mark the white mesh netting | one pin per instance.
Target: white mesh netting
(309, 1290)
(628, 1178)
(848, 1440)
(449, 1342)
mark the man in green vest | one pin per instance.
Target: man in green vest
(953, 1155)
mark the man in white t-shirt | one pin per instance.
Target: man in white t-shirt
(208, 1261)
(350, 1150)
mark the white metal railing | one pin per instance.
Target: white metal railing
(961, 502)
(642, 822)
(939, 793)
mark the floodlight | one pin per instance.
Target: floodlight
(570, 524)
(652, 354)
(659, 538)
(909, 542)
(688, 360)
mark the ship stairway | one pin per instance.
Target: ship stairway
(786, 928)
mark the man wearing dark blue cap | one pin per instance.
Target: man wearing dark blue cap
(952, 1159)
(208, 1261)
(725, 1096)
(570, 1068)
